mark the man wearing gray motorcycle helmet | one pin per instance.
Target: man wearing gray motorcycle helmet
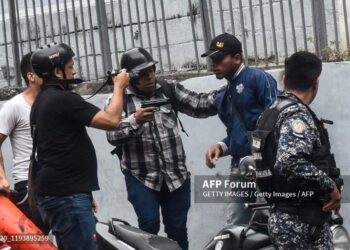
(150, 147)
(294, 162)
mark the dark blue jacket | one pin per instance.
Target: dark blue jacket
(252, 90)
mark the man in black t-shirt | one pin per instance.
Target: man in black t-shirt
(66, 159)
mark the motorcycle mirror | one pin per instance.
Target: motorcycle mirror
(246, 166)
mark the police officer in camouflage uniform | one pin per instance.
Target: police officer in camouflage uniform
(294, 163)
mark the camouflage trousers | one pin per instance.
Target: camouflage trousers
(288, 232)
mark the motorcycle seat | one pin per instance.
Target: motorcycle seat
(254, 239)
(139, 239)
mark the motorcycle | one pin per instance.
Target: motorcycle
(120, 235)
(17, 232)
(3, 244)
(114, 235)
(254, 236)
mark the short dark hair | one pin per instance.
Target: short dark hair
(26, 66)
(240, 53)
(301, 70)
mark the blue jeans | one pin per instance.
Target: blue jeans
(174, 206)
(71, 220)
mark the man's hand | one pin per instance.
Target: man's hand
(334, 202)
(145, 115)
(121, 80)
(110, 118)
(4, 185)
(94, 206)
(212, 155)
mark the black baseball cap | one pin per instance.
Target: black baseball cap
(223, 45)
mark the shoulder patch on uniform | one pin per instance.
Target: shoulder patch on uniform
(298, 127)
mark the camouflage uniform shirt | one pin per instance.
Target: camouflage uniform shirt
(297, 138)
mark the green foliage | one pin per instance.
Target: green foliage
(335, 55)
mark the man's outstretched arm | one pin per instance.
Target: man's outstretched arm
(110, 118)
(198, 105)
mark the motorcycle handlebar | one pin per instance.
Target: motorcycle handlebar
(257, 205)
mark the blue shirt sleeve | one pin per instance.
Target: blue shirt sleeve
(225, 147)
(266, 89)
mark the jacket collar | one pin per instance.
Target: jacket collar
(240, 69)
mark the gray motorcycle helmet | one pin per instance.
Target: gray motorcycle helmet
(135, 60)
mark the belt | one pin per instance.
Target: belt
(21, 185)
(310, 213)
(286, 208)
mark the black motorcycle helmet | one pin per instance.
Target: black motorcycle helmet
(49, 57)
(135, 60)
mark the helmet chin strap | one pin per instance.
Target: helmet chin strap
(64, 73)
(67, 83)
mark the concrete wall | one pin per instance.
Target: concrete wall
(205, 220)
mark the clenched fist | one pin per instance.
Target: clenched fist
(212, 155)
(145, 114)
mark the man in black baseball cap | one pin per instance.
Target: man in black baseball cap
(223, 45)
(248, 92)
(220, 48)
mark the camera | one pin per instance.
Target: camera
(134, 76)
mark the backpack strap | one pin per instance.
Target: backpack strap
(125, 103)
(263, 139)
(118, 150)
(170, 92)
(264, 146)
(32, 174)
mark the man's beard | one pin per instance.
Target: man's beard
(219, 77)
(143, 93)
(228, 75)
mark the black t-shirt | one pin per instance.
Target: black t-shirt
(66, 156)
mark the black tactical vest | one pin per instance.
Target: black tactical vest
(264, 148)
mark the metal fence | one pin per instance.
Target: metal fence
(176, 32)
